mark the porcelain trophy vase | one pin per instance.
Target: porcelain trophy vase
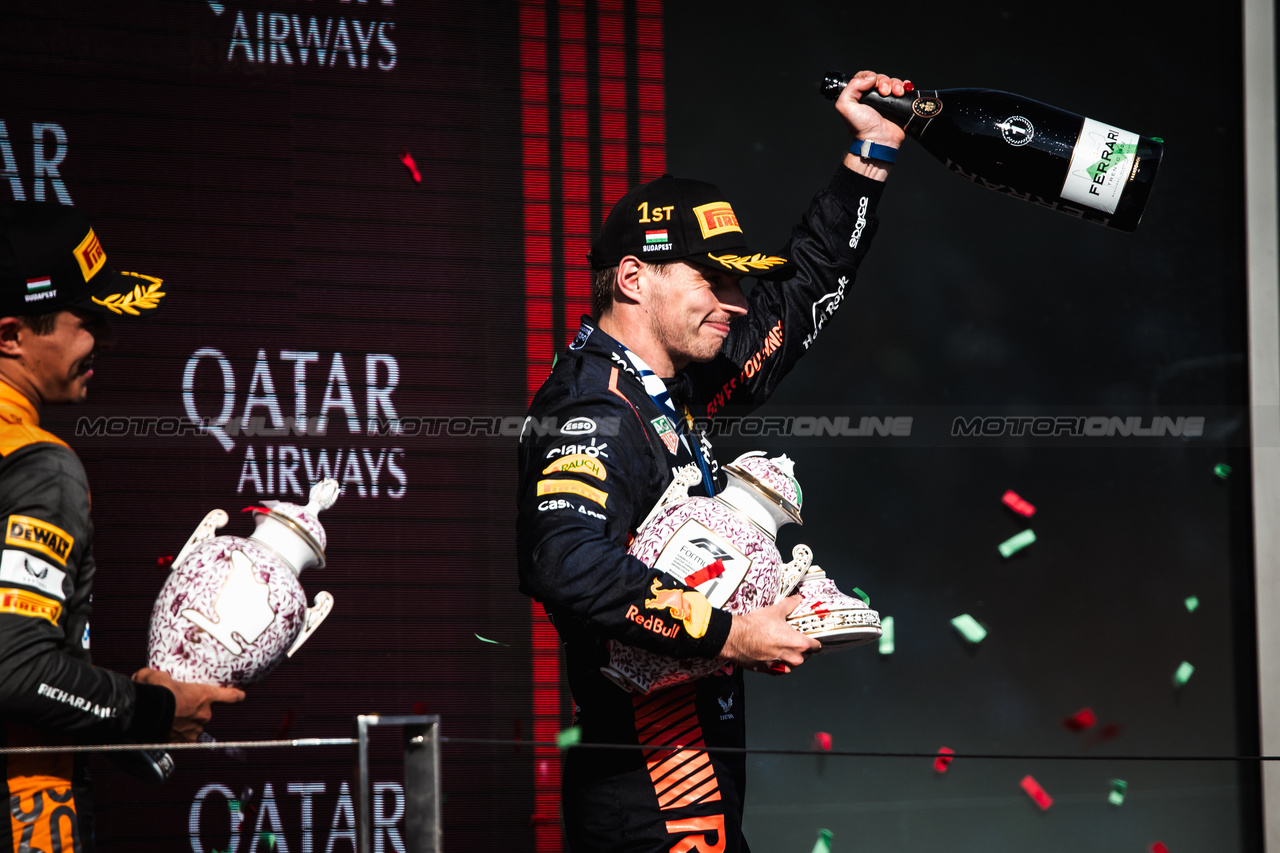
(724, 547)
(232, 608)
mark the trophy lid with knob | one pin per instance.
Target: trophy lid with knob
(772, 479)
(294, 532)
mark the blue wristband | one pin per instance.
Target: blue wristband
(873, 150)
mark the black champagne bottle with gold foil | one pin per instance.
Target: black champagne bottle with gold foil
(1026, 149)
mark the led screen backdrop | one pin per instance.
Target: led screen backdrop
(372, 219)
(336, 195)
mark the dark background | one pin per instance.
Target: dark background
(972, 302)
(273, 202)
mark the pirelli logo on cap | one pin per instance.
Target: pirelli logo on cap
(23, 603)
(26, 532)
(89, 255)
(716, 218)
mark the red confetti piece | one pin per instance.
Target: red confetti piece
(419, 707)
(704, 574)
(1033, 789)
(1159, 847)
(285, 725)
(164, 562)
(821, 611)
(1081, 720)
(407, 159)
(822, 741)
(1017, 504)
(944, 758)
(908, 86)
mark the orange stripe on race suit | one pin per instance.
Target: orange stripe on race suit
(680, 777)
(689, 789)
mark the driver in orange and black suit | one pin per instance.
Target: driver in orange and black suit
(56, 294)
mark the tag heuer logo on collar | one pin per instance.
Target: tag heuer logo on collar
(666, 432)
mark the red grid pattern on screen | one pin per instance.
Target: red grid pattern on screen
(614, 151)
(538, 226)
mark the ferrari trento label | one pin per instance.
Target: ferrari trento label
(1101, 163)
(716, 218)
(26, 532)
(89, 255)
(23, 569)
(23, 603)
(926, 107)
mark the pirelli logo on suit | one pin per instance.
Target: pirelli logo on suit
(23, 603)
(26, 532)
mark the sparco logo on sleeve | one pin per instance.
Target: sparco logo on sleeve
(859, 225)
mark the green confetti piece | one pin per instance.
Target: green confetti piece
(554, 359)
(1192, 603)
(234, 805)
(886, 635)
(1183, 675)
(823, 844)
(487, 640)
(269, 839)
(866, 599)
(1157, 139)
(1223, 470)
(1118, 787)
(969, 628)
(1014, 544)
(569, 737)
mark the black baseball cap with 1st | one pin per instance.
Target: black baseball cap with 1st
(51, 260)
(671, 219)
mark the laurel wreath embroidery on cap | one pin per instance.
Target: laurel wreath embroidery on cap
(743, 263)
(130, 301)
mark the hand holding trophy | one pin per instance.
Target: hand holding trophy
(232, 609)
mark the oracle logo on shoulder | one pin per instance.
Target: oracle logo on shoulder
(284, 454)
(342, 41)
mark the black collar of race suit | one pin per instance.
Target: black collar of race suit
(680, 387)
(590, 339)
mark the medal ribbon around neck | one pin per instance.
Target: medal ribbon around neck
(657, 391)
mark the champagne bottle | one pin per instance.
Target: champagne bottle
(1026, 149)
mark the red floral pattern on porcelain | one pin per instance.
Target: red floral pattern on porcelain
(684, 534)
(232, 609)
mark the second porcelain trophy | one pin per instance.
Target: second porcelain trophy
(724, 548)
(232, 608)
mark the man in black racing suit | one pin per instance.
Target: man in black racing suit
(56, 292)
(673, 339)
